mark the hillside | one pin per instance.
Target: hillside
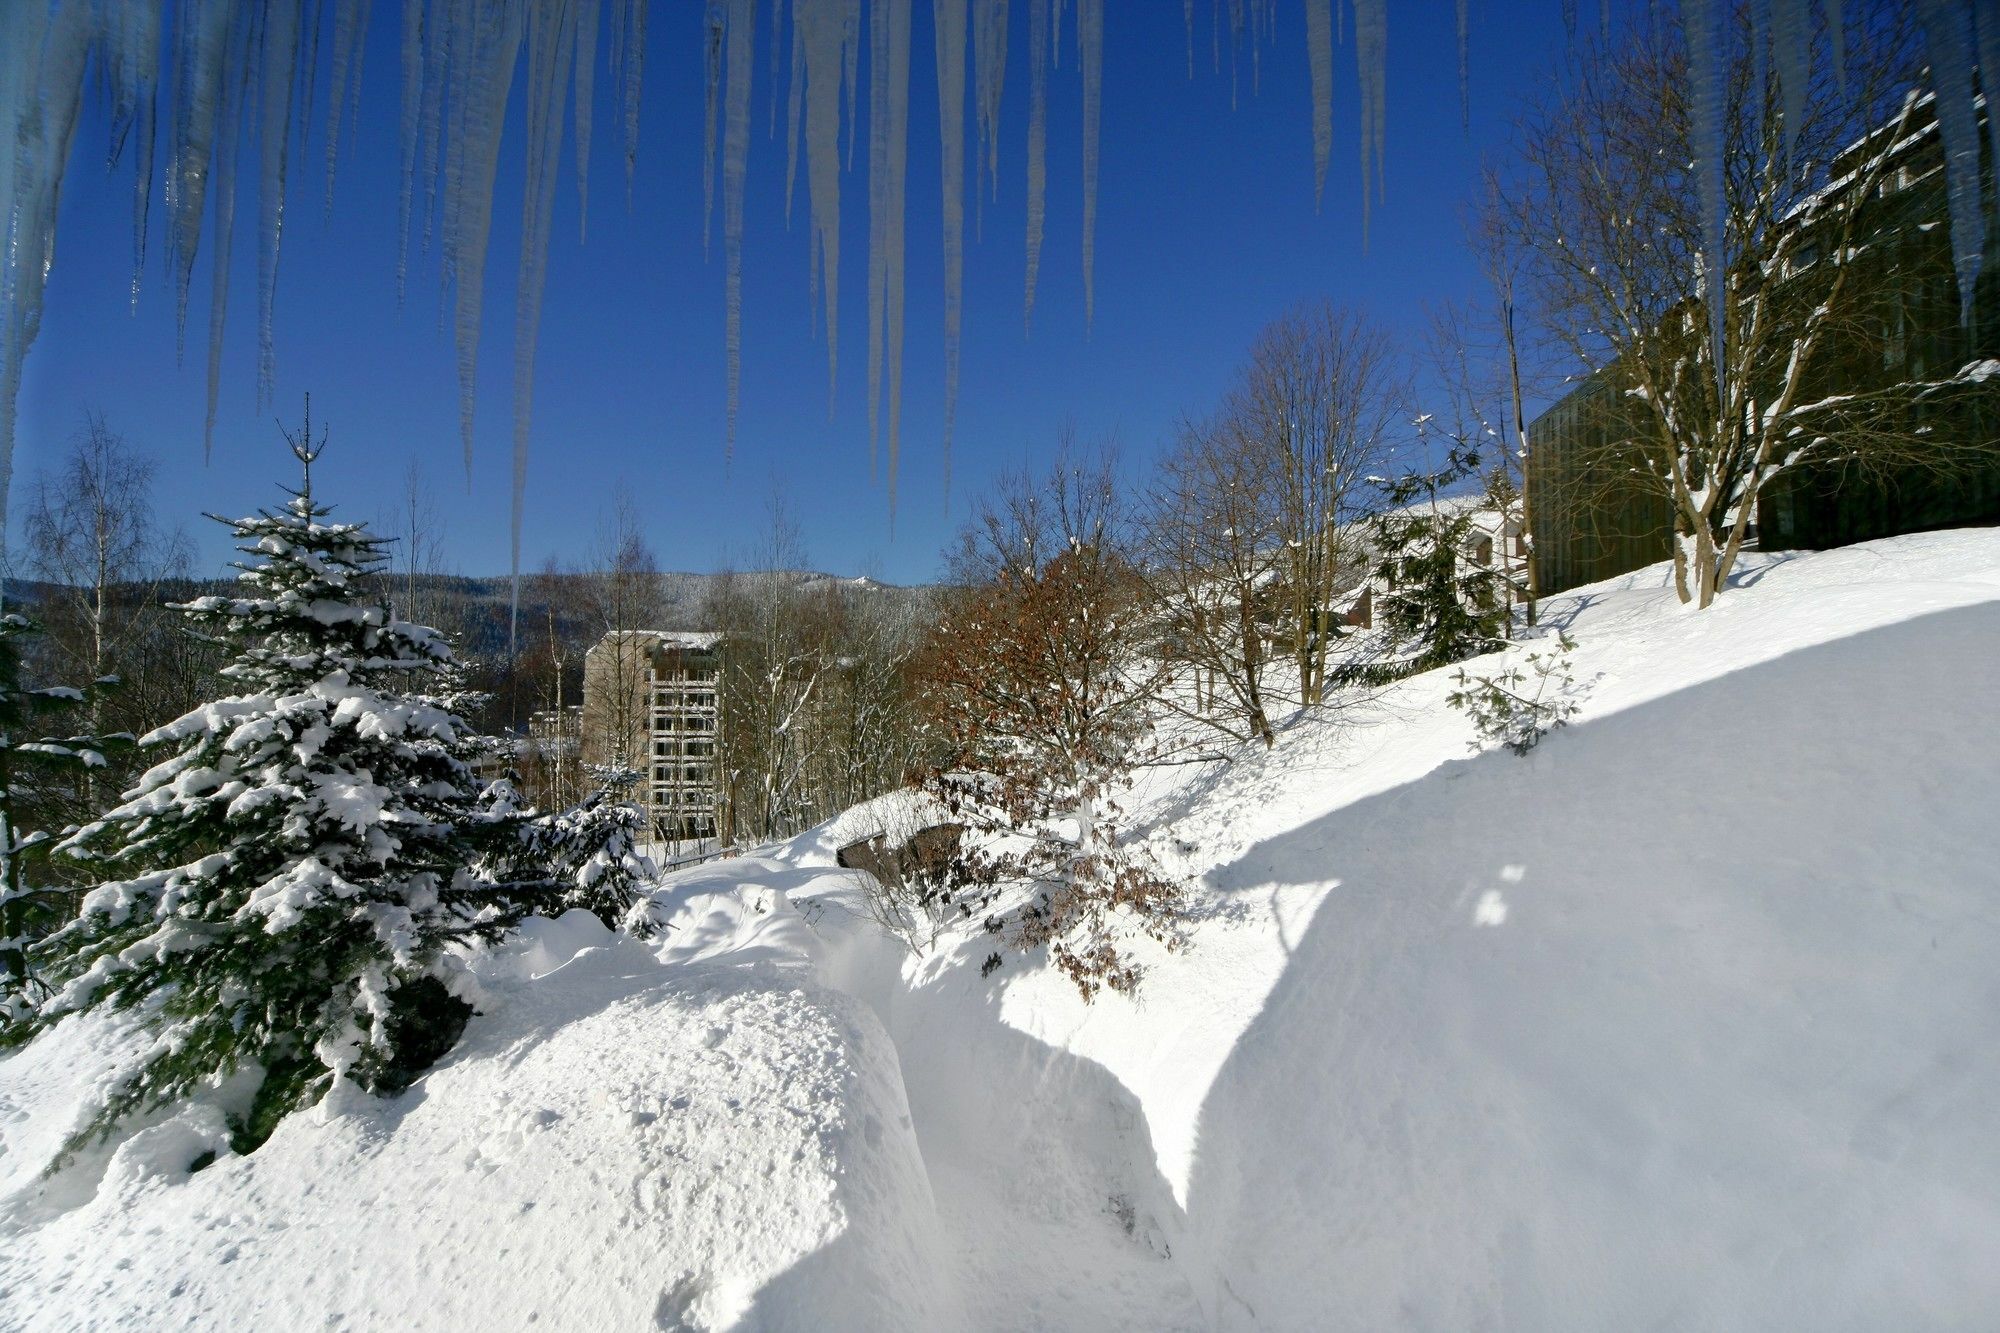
(1687, 1020)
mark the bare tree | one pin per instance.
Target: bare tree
(1323, 392)
(775, 666)
(91, 536)
(417, 560)
(1605, 224)
(1214, 564)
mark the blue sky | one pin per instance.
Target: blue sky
(1206, 230)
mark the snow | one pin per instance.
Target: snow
(1685, 1020)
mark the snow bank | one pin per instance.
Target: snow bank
(711, 1142)
(1687, 1020)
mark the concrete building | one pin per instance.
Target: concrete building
(650, 704)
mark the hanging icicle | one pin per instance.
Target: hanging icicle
(1319, 55)
(280, 61)
(350, 37)
(1708, 68)
(829, 30)
(241, 77)
(1371, 54)
(989, 50)
(1038, 142)
(134, 60)
(586, 98)
(742, 21)
(1090, 55)
(1791, 54)
(551, 57)
(1464, 66)
(949, 19)
(888, 157)
(1948, 41)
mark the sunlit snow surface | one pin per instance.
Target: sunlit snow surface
(1687, 1020)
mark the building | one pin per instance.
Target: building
(650, 705)
(1592, 517)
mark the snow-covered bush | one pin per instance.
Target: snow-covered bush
(1041, 705)
(292, 874)
(585, 857)
(1521, 702)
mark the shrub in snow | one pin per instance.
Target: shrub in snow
(29, 911)
(1519, 703)
(1042, 710)
(295, 871)
(587, 856)
(1433, 606)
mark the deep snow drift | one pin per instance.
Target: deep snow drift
(1689, 1019)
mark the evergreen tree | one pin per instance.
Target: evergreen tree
(1433, 605)
(587, 856)
(297, 869)
(29, 911)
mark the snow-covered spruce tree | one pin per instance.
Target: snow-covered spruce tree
(28, 911)
(1041, 705)
(1434, 604)
(586, 856)
(295, 872)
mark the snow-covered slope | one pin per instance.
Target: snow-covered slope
(1689, 1019)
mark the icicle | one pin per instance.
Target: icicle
(949, 21)
(712, 66)
(1319, 54)
(1038, 140)
(828, 31)
(1090, 55)
(794, 113)
(888, 155)
(631, 71)
(445, 17)
(413, 100)
(852, 54)
(1948, 42)
(1988, 20)
(1791, 52)
(1464, 67)
(222, 188)
(777, 52)
(491, 44)
(134, 57)
(586, 96)
(40, 91)
(1704, 21)
(278, 65)
(1371, 53)
(350, 37)
(742, 41)
(551, 48)
(200, 45)
(989, 52)
(307, 60)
